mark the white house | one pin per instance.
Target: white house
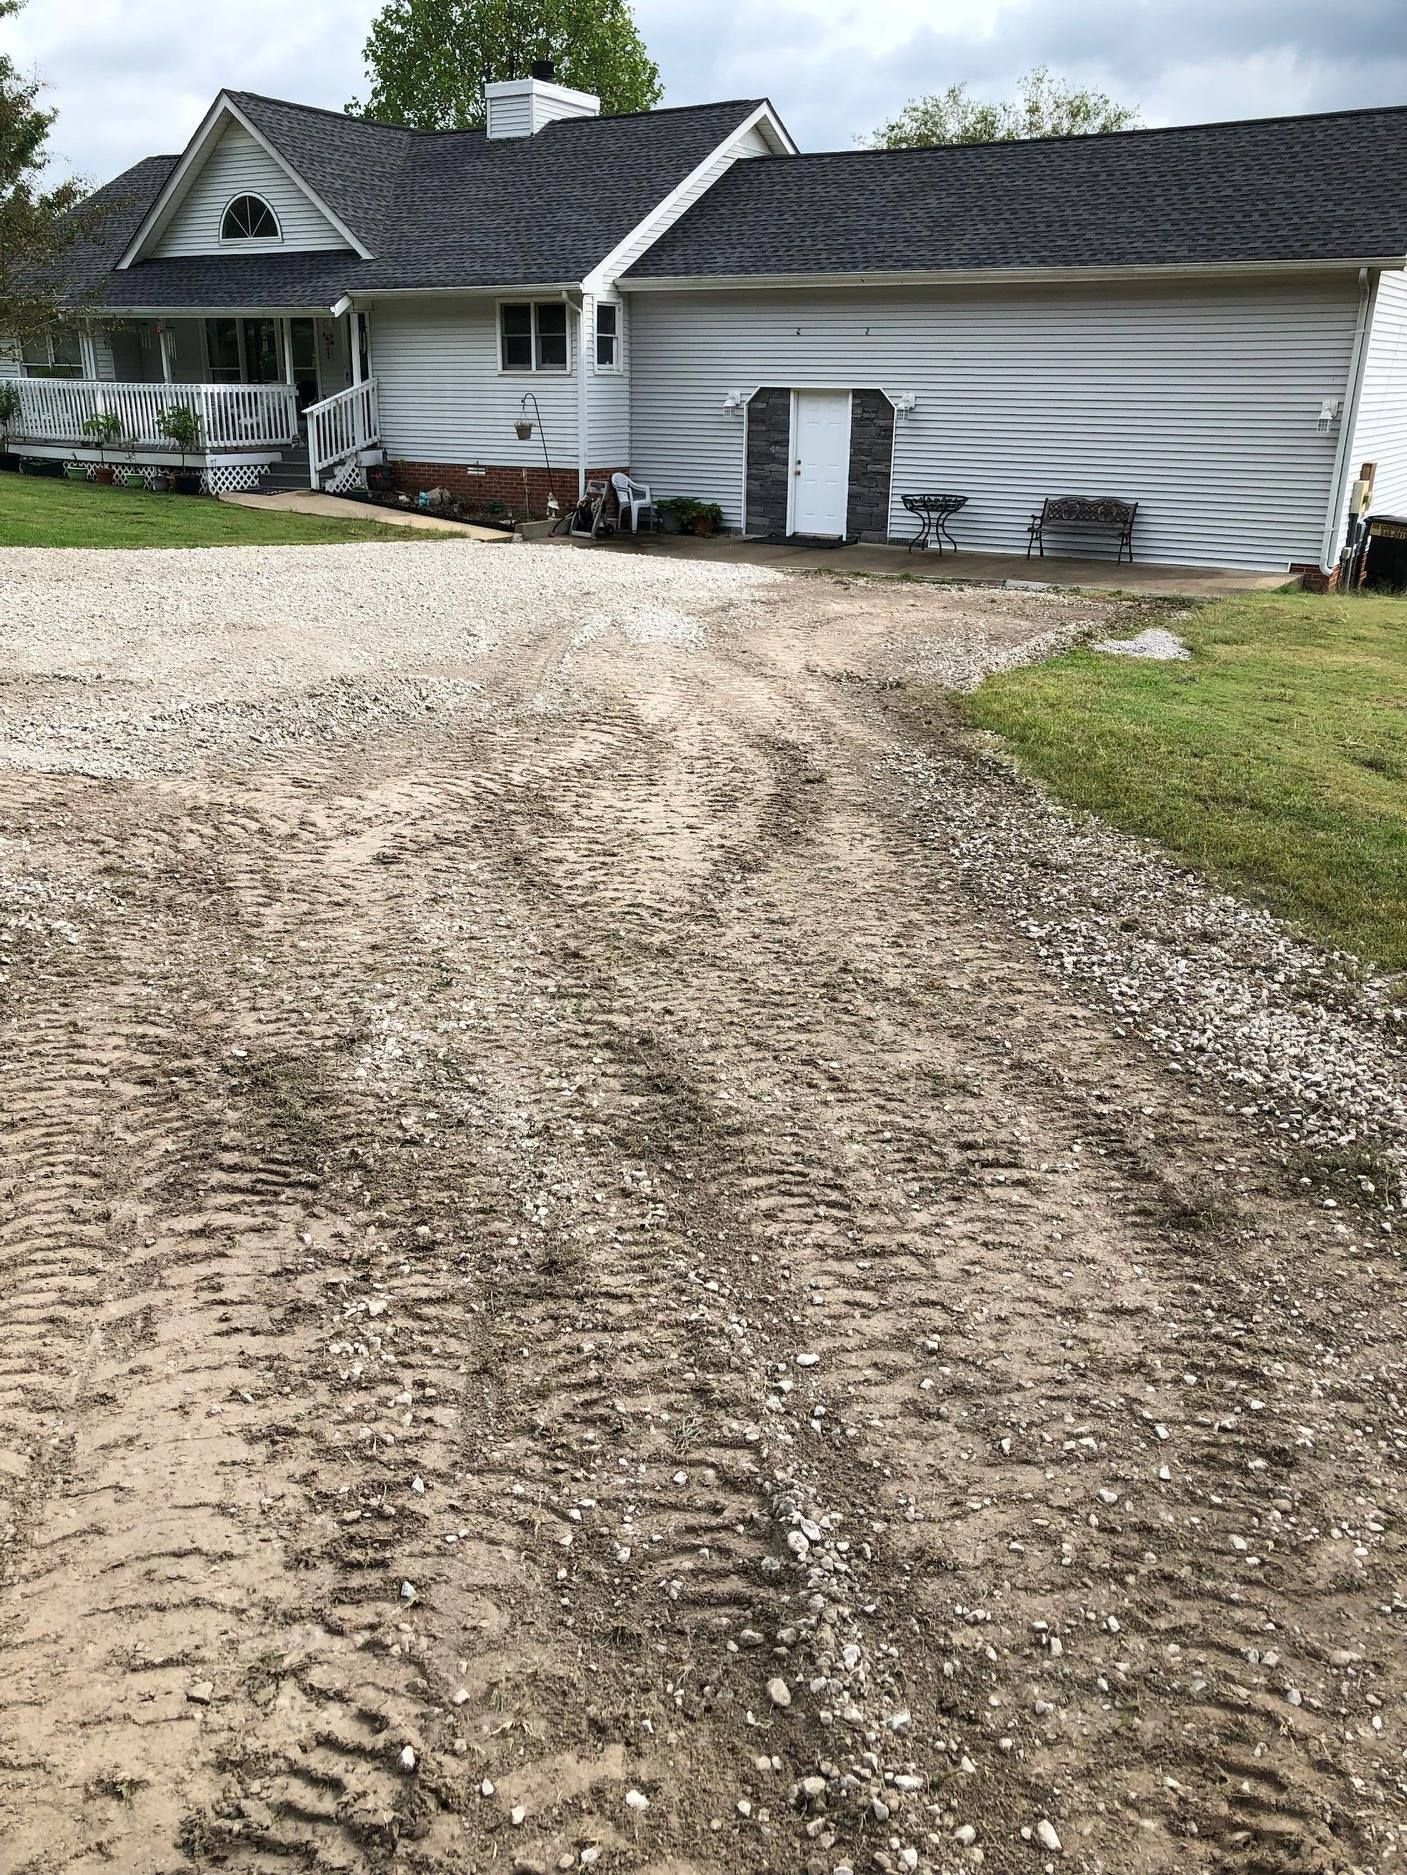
(1210, 321)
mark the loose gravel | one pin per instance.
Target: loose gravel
(1288, 1036)
(152, 662)
(608, 1212)
(1163, 646)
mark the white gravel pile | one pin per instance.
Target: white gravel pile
(1295, 1038)
(966, 644)
(1163, 646)
(157, 659)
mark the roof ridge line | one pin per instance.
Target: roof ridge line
(1112, 136)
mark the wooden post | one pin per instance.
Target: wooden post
(164, 341)
(285, 331)
(354, 339)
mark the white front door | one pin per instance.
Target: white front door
(820, 462)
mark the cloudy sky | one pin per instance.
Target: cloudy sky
(132, 77)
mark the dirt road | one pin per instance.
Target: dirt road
(569, 1298)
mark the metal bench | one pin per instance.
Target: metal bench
(1084, 511)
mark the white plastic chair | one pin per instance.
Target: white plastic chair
(631, 497)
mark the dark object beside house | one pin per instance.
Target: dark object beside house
(933, 512)
(1084, 511)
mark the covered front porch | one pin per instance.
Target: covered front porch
(275, 400)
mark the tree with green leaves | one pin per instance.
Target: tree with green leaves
(1043, 107)
(429, 60)
(36, 223)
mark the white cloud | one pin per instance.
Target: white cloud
(131, 79)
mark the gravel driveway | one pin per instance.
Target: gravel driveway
(620, 1250)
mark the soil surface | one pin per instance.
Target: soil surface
(571, 1295)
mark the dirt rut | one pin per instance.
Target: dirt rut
(565, 1300)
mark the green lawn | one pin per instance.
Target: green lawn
(1276, 760)
(43, 511)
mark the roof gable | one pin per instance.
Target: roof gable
(236, 164)
(430, 210)
(184, 218)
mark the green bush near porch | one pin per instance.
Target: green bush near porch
(47, 511)
(1275, 761)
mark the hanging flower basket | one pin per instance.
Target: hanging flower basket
(524, 429)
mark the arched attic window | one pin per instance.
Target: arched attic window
(249, 218)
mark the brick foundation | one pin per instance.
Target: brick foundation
(524, 490)
(1313, 577)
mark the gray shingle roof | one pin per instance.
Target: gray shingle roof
(1271, 189)
(112, 215)
(436, 208)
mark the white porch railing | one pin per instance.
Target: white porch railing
(339, 426)
(231, 416)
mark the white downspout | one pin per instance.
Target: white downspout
(582, 402)
(1338, 490)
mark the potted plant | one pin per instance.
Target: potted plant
(104, 428)
(179, 424)
(9, 413)
(133, 478)
(682, 514)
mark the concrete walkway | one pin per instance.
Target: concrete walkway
(1178, 582)
(336, 508)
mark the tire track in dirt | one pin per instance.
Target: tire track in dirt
(505, 1108)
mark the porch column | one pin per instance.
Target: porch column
(285, 333)
(354, 339)
(164, 340)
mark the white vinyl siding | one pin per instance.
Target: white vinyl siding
(443, 398)
(753, 144)
(239, 165)
(510, 116)
(1381, 433)
(102, 353)
(608, 396)
(1197, 401)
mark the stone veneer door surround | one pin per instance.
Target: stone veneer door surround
(768, 464)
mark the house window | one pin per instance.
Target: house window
(222, 349)
(249, 218)
(532, 335)
(607, 336)
(54, 355)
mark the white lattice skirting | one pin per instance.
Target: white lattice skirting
(224, 478)
(350, 475)
(235, 478)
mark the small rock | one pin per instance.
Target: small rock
(407, 1759)
(1045, 1830)
(779, 1692)
(965, 1836)
(200, 1692)
(637, 1800)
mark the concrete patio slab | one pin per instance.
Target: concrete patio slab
(1176, 582)
(337, 508)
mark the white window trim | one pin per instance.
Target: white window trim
(534, 370)
(245, 242)
(618, 368)
(84, 358)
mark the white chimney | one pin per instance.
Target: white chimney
(521, 106)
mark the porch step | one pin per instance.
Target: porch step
(288, 473)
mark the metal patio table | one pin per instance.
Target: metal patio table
(933, 511)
